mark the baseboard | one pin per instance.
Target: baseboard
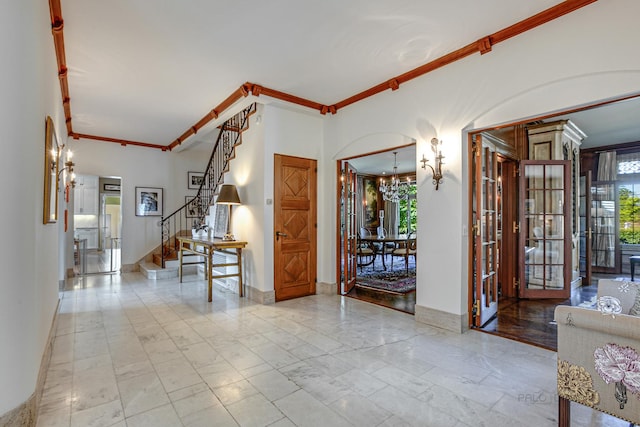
(324, 288)
(262, 297)
(129, 268)
(458, 323)
(26, 414)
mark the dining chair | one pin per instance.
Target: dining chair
(405, 250)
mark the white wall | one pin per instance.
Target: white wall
(282, 131)
(29, 255)
(140, 167)
(584, 56)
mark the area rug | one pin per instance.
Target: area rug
(388, 282)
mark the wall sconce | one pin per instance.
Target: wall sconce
(68, 165)
(228, 196)
(437, 170)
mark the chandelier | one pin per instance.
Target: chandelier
(395, 190)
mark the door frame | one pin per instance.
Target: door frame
(339, 242)
(301, 242)
(507, 262)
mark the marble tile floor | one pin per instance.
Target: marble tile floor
(133, 352)
(98, 262)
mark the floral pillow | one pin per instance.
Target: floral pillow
(623, 292)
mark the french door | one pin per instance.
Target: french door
(585, 228)
(347, 231)
(485, 236)
(603, 221)
(545, 229)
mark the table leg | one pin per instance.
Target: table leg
(383, 257)
(210, 270)
(240, 286)
(180, 262)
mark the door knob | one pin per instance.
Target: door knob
(279, 233)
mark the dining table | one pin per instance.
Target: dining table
(388, 238)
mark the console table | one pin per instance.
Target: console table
(206, 247)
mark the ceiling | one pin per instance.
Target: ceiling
(142, 70)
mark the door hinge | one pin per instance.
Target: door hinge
(475, 309)
(516, 227)
(516, 285)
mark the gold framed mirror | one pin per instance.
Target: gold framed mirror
(51, 168)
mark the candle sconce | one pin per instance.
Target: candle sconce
(437, 169)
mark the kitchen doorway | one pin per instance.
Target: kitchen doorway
(97, 225)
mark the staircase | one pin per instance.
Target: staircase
(181, 221)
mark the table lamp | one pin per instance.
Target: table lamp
(228, 196)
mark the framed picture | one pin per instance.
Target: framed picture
(221, 217)
(51, 170)
(194, 180)
(148, 201)
(111, 187)
(371, 207)
(194, 208)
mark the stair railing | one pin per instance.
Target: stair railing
(182, 220)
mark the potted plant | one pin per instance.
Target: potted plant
(200, 229)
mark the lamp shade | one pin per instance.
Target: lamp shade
(228, 195)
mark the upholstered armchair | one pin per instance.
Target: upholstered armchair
(599, 353)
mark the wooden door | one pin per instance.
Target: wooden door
(508, 228)
(485, 240)
(295, 222)
(585, 227)
(545, 229)
(348, 237)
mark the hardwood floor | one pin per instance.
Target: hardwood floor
(401, 302)
(404, 302)
(531, 321)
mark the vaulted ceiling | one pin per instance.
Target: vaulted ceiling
(144, 71)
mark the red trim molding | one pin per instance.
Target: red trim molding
(482, 46)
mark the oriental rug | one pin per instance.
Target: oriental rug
(393, 282)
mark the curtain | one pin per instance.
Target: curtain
(391, 217)
(607, 166)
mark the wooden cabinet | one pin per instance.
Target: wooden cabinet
(86, 195)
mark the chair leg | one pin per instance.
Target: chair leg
(564, 412)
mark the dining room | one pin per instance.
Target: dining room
(383, 216)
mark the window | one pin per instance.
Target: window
(629, 203)
(408, 212)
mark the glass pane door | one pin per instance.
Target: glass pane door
(603, 225)
(545, 229)
(485, 205)
(348, 238)
(584, 220)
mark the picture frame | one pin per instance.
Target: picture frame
(111, 187)
(371, 219)
(51, 170)
(149, 201)
(194, 180)
(194, 210)
(221, 216)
